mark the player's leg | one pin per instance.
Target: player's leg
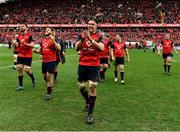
(122, 73)
(56, 72)
(164, 62)
(115, 73)
(115, 70)
(169, 63)
(105, 66)
(28, 70)
(103, 70)
(44, 71)
(15, 61)
(50, 81)
(92, 84)
(50, 78)
(82, 84)
(20, 67)
(92, 100)
(121, 67)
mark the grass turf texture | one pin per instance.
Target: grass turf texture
(149, 100)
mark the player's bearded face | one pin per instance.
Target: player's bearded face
(47, 32)
(167, 36)
(22, 28)
(92, 26)
(117, 38)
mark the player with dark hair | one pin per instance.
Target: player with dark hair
(60, 55)
(25, 45)
(48, 50)
(117, 54)
(104, 57)
(167, 46)
(88, 45)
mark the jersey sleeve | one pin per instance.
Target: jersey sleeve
(112, 46)
(101, 40)
(80, 38)
(30, 39)
(109, 43)
(125, 47)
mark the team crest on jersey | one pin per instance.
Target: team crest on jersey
(88, 43)
(45, 45)
(118, 47)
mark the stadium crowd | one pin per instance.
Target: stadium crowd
(104, 11)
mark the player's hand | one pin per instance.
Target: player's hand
(22, 41)
(113, 59)
(35, 50)
(128, 60)
(63, 53)
(87, 34)
(176, 53)
(52, 38)
(158, 54)
(14, 41)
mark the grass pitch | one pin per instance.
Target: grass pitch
(149, 100)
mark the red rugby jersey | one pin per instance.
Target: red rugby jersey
(105, 52)
(118, 48)
(48, 50)
(89, 54)
(167, 46)
(23, 50)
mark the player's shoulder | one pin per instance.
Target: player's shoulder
(28, 33)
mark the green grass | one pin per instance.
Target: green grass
(149, 100)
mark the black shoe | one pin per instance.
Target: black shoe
(90, 119)
(48, 97)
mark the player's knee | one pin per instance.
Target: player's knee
(82, 85)
(92, 91)
(27, 68)
(121, 69)
(92, 84)
(19, 67)
(106, 66)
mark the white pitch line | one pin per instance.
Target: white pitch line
(12, 65)
(4, 67)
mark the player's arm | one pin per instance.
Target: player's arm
(159, 48)
(98, 44)
(174, 48)
(15, 42)
(30, 44)
(63, 47)
(109, 48)
(112, 52)
(79, 43)
(38, 50)
(56, 45)
(127, 53)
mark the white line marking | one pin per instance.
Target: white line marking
(4, 67)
